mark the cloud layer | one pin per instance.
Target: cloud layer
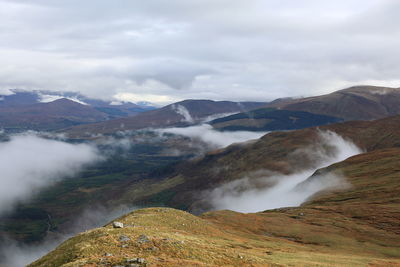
(239, 50)
(29, 163)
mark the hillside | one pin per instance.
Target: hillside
(354, 103)
(277, 152)
(355, 227)
(270, 119)
(181, 113)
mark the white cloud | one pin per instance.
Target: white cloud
(29, 163)
(209, 135)
(153, 98)
(181, 110)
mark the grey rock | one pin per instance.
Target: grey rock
(143, 239)
(141, 260)
(118, 225)
(108, 254)
(124, 238)
(136, 260)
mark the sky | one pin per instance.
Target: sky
(165, 51)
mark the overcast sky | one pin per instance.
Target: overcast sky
(162, 51)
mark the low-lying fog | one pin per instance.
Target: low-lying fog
(29, 163)
(209, 135)
(288, 190)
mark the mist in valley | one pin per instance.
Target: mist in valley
(29, 163)
(263, 190)
(214, 138)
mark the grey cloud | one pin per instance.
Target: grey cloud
(237, 50)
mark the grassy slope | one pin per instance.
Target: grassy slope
(331, 230)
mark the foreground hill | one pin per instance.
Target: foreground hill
(181, 113)
(354, 103)
(355, 227)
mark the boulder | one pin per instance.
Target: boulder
(118, 225)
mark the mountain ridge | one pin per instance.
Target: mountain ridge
(182, 113)
(48, 116)
(353, 103)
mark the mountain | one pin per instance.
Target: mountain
(270, 119)
(354, 103)
(182, 113)
(58, 114)
(46, 110)
(353, 227)
(114, 110)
